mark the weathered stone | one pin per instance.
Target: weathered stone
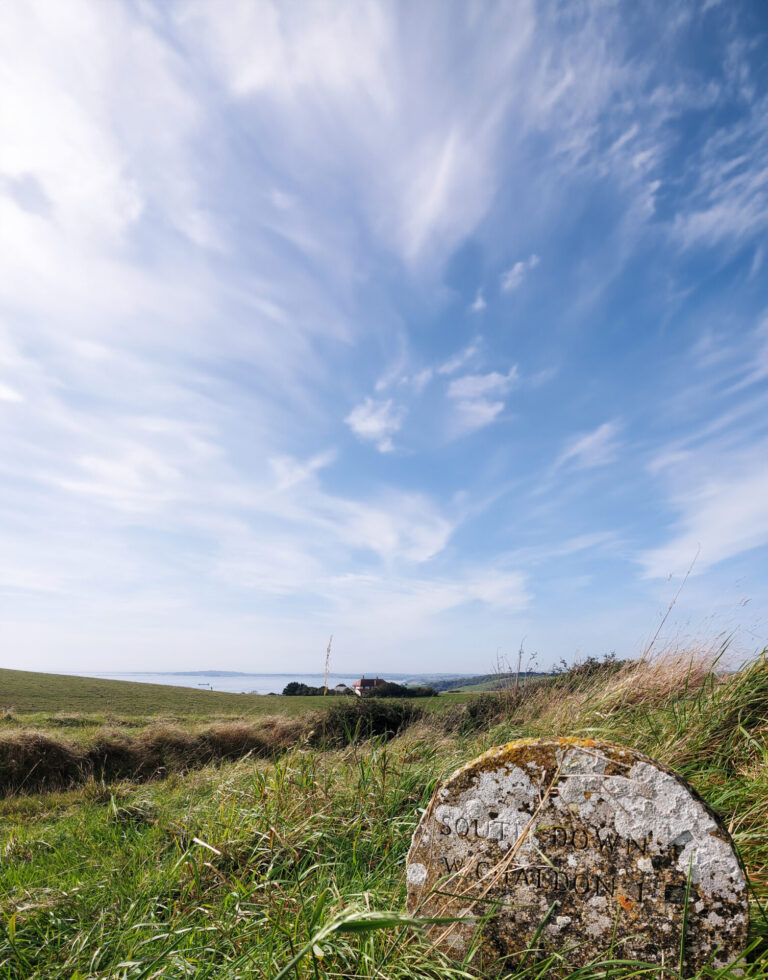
(580, 847)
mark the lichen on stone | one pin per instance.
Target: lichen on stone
(588, 845)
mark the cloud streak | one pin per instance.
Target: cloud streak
(513, 278)
(591, 449)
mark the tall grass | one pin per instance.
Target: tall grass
(294, 866)
(34, 761)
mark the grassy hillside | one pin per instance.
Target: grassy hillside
(489, 682)
(241, 869)
(24, 693)
(57, 731)
(27, 692)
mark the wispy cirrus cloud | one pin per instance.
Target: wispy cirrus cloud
(513, 278)
(715, 477)
(347, 84)
(460, 359)
(722, 510)
(728, 199)
(592, 449)
(218, 233)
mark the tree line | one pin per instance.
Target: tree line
(389, 689)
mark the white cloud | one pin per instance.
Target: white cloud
(164, 372)
(459, 360)
(94, 182)
(9, 394)
(475, 413)
(728, 200)
(411, 602)
(477, 398)
(479, 303)
(421, 379)
(592, 449)
(755, 364)
(716, 473)
(415, 142)
(722, 514)
(376, 422)
(513, 278)
(472, 386)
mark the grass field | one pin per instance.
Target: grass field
(25, 692)
(57, 730)
(60, 701)
(294, 866)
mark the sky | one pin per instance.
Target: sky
(441, 327)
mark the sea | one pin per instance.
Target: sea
(235, 683)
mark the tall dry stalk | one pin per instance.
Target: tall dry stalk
(327, 665)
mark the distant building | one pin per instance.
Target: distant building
(341, 689)
(366, 684)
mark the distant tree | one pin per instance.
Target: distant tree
(296, 687)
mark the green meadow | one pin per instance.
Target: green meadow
(286, 859)
(28, 693)
(55, 702)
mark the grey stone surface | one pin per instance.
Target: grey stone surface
(580, 847)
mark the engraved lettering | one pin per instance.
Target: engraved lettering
(601, 883)
(592, 863)
(581, 884)
(479, 872)
(496, 830)
(548, 879)
(580, 839)
(639, 885)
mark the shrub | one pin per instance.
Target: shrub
(389, 689)
(574, 674)
(348, 721)
(482, 712)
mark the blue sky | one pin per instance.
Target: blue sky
(441, 327)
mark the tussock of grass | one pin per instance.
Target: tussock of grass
(32, 761)
(294, 866)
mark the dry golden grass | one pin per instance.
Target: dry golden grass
(573, 702)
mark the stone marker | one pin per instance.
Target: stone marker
(600, 850)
